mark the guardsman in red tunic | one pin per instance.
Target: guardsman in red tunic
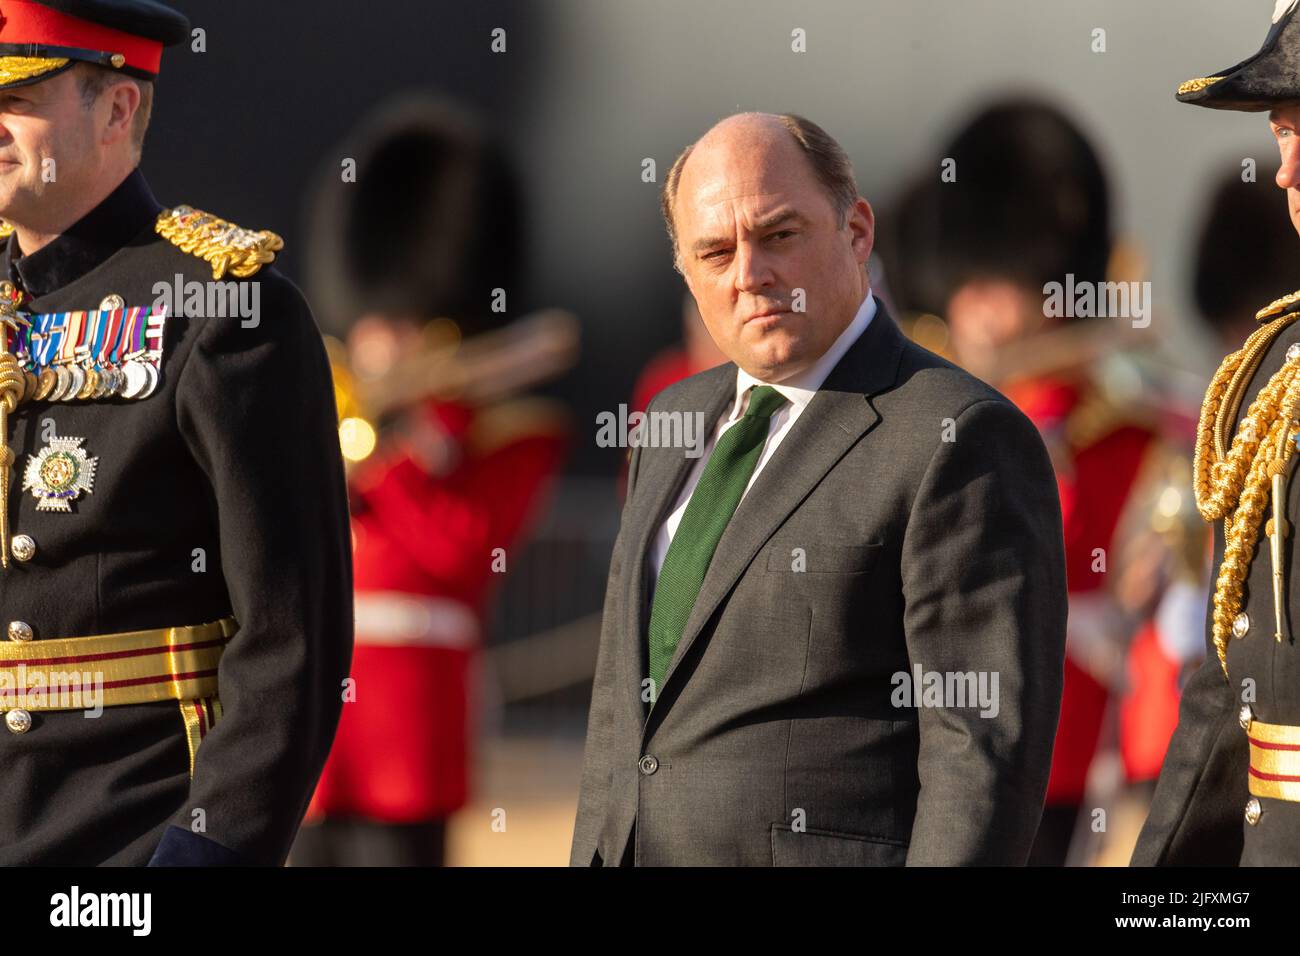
(1111, 460)
(459, 465)
(1028, 207)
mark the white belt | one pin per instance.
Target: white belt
(394, 618)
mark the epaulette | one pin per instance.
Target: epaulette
(1278, 307)
(241, 252)
(497, 426)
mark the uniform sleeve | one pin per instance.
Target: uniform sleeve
(256, 408)
(983, 571)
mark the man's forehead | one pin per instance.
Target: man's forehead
(750, 201)
(740, 158)
(718, 192)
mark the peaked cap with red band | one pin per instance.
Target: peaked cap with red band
(40, 38)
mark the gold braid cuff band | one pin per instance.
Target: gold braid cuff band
(1274, 760)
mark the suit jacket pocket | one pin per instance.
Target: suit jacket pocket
(829, 848)
(821, 558)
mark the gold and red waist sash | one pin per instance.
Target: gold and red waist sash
(112, 670)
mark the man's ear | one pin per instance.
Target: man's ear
(862, 225)
(124, 100)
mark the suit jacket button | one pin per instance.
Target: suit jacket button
(18, 721)
(23, 547)
(648, 765)
(20, 631)
(1253, 811)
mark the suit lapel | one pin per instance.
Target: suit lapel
(836, 418)
(662, 472)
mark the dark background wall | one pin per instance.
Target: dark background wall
(241, 128)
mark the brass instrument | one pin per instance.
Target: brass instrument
(480, 370)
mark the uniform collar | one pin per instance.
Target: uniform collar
(88, 242)
(799, 389)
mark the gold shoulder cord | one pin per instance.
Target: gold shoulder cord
(1234, 482)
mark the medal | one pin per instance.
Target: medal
(101, 384)
(44, 384)
(59, 473)
(76, 379)
(136, 379)
(84, 356)
(61, 382)
(92, 383)
(152, 372)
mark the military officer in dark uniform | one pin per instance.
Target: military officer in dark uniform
(1229, 790)
(175, 579)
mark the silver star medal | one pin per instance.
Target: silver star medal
(58, 473)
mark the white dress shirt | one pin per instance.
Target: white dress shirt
(798, 390)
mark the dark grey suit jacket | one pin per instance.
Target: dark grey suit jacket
(774, 739)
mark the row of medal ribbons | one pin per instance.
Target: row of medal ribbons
(71, 356)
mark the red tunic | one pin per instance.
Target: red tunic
(1095, 479)
(1149, 712)
(423, 558)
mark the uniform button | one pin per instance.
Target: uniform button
(1293, 352)
(648, 764)
(20, 631)
(1241, 625)
(18, 721)
(1245, 716)
(1253, 811)
(23, 547)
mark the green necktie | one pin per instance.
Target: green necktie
(712, 504)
